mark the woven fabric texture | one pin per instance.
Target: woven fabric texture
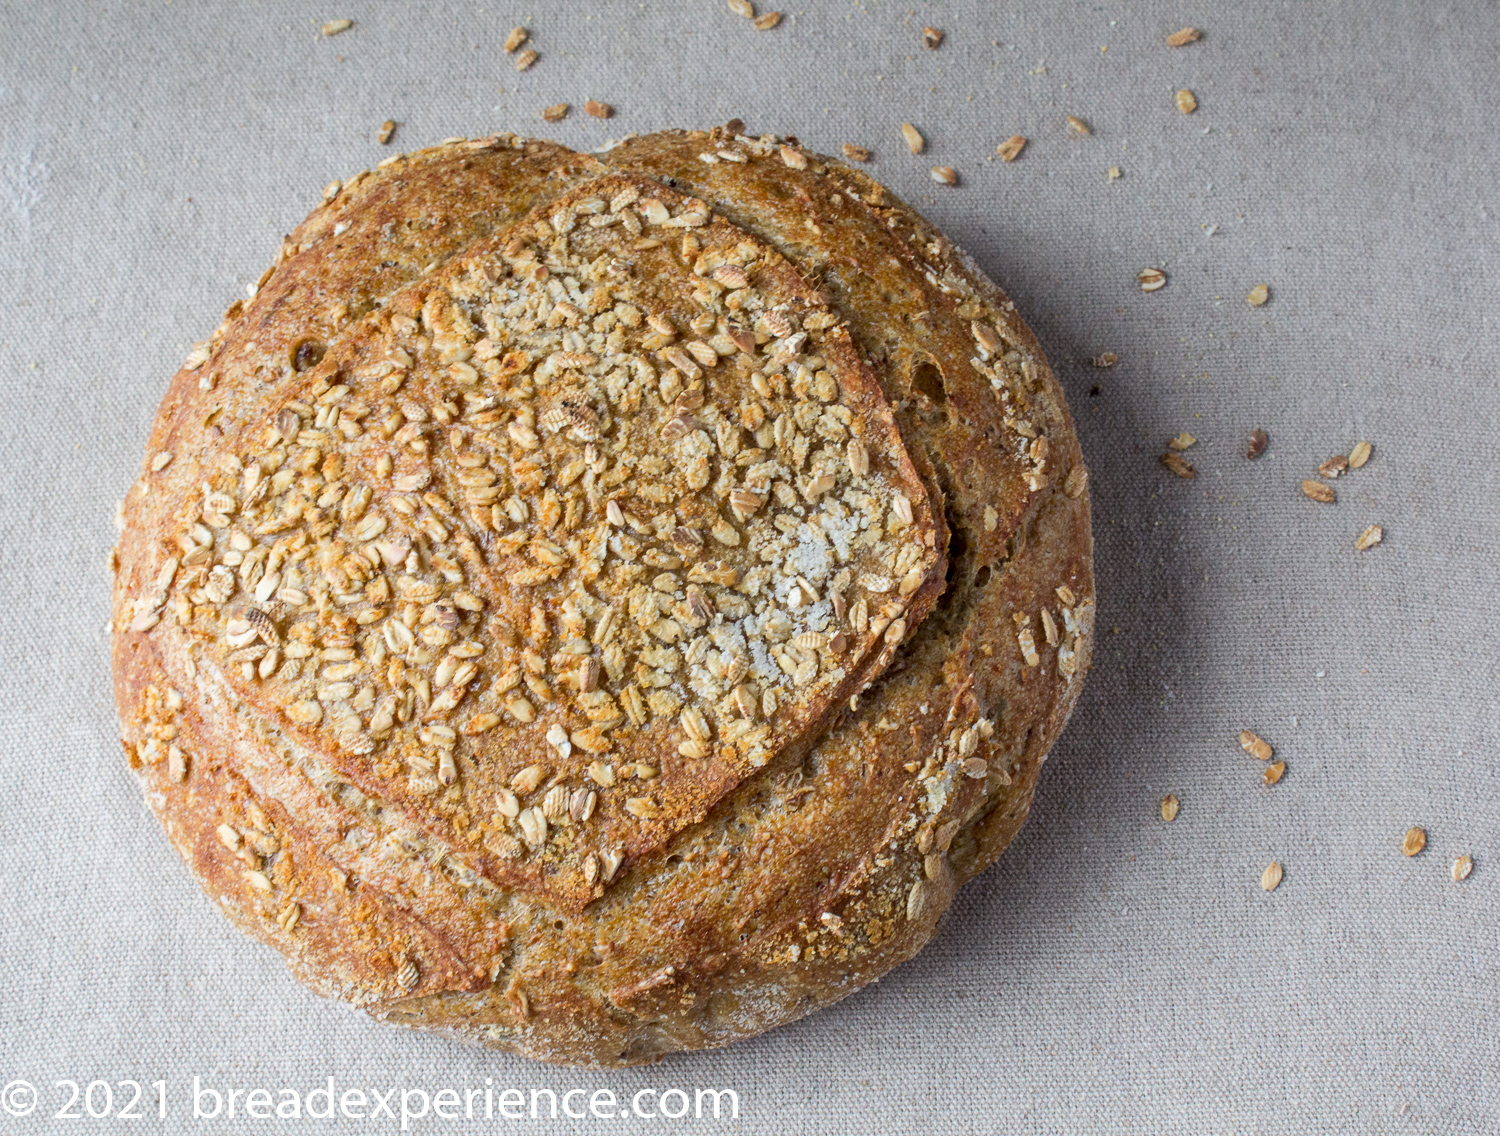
(1113, 973)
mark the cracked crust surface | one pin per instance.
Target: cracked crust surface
(600, 606)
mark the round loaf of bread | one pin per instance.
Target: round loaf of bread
(603, 605)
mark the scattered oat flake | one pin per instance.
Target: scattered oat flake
(1187, 102)
(1414, 841)
(387, 131)
(946, 175)
(526, 59)
(555, 113)
(1259, 440)
(516, 38)
(1319, 492)
(1078, 127)
(914, 140)
(1179, 465)
(1114, 173)
(1258, 295)
(1105, 360)
(767, 22)
(1360, 454)
(1270, 879)
(1011, 148)
(856, 153)
(932, 37)
(333, 27)
(1184, 37)
(742, 8)
(1255, 745)
(1182, 441)
(1369, 538)
(1333, 466)
(1169, 806)
(595, 109)
(1461, 868)
(1151, 279)
(1272, 773)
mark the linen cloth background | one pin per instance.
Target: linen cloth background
(1112, 973)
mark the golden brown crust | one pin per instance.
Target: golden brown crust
(625, 623)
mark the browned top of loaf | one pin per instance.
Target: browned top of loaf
(432, 373)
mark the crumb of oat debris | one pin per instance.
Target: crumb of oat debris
(1169, 806)
(1184, 37)
(334, 27)
(1414, 841)
(555, 113)
(1270, 879)
(767, 22)
(1258, 295)
(526, 59)
(945, 175)
(1179, 465)
(1105, 359)
(1187, 102)
(1272, 773)
(1461, 868)
(914, 140)
(1369, 538)
(387, 131)
(1114, 173)
(742, 8)
(1259, 440)
(1333, 466)
(1011, 148)
(1360, 454)
(1151, 279)
(517, 37)
(1182, 441)
(932, 37)
(595, 109)
(856, 153)
(1078, 128)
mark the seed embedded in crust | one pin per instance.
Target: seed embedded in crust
(1270, 879)
(855, 153)
(932, 38)
(595, 109)
(1461, 868)
(526, 59)
(555, 113)
(914, 140)
(387, 131)
(1186, 101)
(1075, 483)
(1414, 841)
(1169, 806)
(1258, 295)
(1272, 773)
(1078, 128)
(1151, 279)
(516, 38)
(1184, 37)
(1319, 492)
(1360, 454)
(1255, 745)
(1179, 465)
(793, 158)
(1369, 538)
(1011, 148)
(944, 175)
(767, 22)
(1259, 440)
(334, 27)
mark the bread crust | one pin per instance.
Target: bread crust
(741, 861)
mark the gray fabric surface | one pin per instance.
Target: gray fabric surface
(1112, 973)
